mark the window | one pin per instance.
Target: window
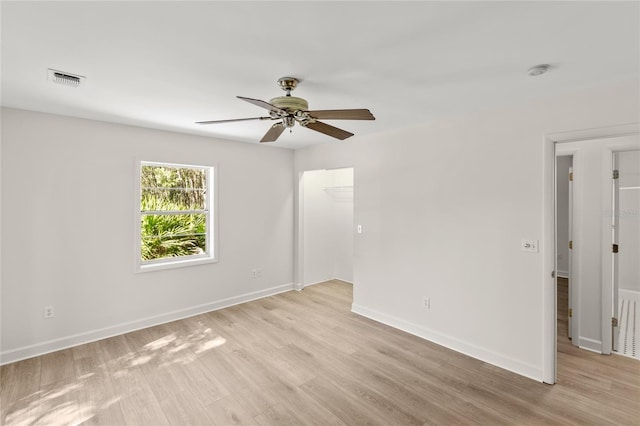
(176, 212)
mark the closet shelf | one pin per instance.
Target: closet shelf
(339, 188)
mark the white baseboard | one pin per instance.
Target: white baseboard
(316, 282)
(629, 295)
(483, 354)
(563, 274)
(324, 281)
(42, 348)
(590, 344)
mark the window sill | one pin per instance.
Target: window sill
(173, 264)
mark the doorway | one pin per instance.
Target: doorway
(326, 226)
(594, 293)
(593, 258)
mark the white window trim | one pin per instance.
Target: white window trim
(212, 225)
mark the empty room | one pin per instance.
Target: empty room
(314, 213)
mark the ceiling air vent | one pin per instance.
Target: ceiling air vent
(65, 78)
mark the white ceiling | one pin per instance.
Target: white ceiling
(165, 65)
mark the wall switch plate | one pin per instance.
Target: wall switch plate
(530, 246)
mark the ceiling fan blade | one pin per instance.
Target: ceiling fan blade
(263, 104)
(329, 130)
(342, 114)
(273, 133)
(233, 119)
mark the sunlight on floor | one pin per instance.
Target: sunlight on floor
(63, 403)
(58, 406)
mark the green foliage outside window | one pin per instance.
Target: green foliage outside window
(166, 192)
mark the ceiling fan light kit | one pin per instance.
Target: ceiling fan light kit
(291, 110)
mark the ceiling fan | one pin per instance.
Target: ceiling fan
(291, 110)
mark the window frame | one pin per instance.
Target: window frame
(211, 237)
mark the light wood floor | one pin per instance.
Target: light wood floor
(303, 358)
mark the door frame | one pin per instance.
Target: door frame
(549, 261)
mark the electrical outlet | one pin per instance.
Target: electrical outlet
(256, 273)
(48, 311)
(426, 302)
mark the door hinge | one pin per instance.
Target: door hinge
(615, 248)
(614, 322)
(616, 174)
(570, 313)
(571, 245)
(571, 176)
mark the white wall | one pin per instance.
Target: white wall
(445, 205)
(629, 221)
(563, 164)
(68, 236)
(328, 225)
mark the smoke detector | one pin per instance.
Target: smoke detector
(64, 78)
(538, 70)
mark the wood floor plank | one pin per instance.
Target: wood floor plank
(183, 408)
(347, 407)
(314, 412)
(419, 379)
(228, 411)
(57, 367)
(278, 415)
(303, 358)
(203, 384)
(96, 392)
(20, 392)
(142, 408)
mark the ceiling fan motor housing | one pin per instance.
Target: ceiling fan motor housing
(295, 108)
(290, 103)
